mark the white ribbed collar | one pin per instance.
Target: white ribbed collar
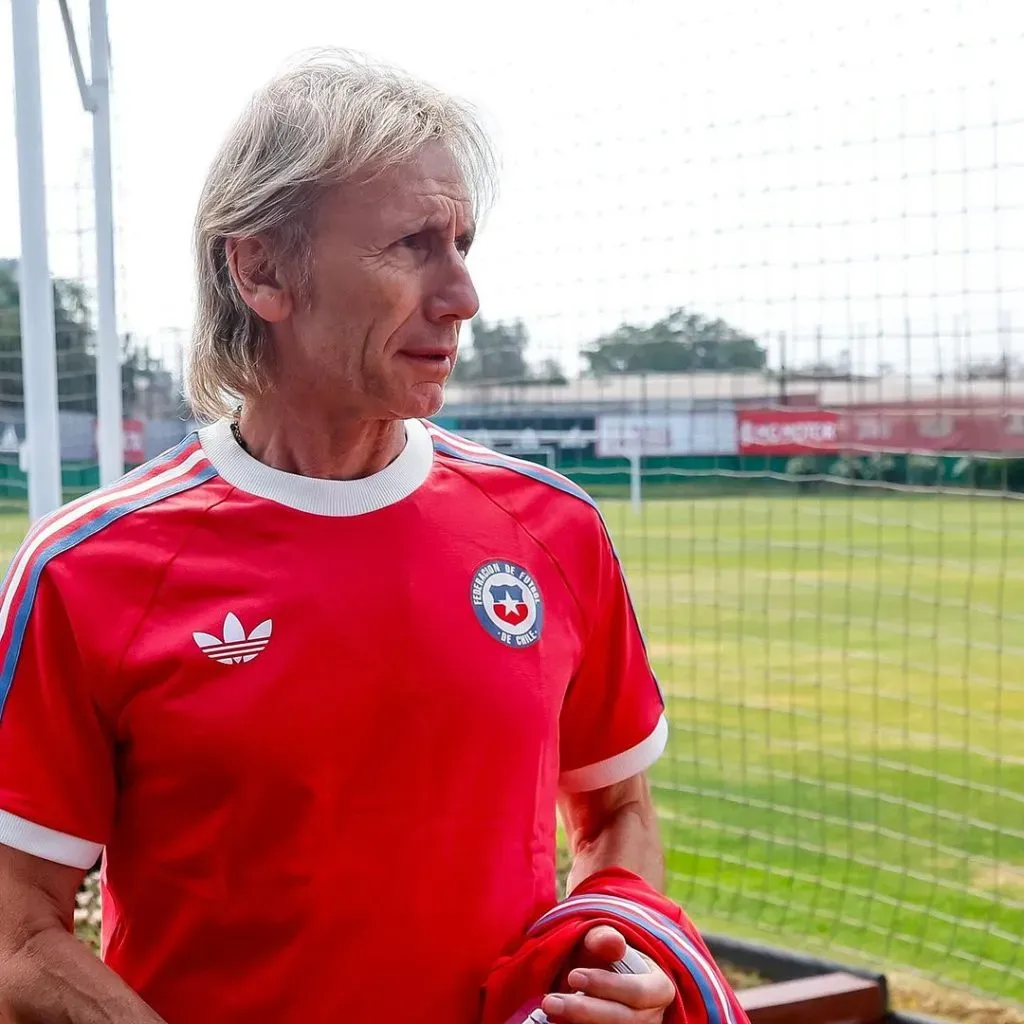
(321, 497)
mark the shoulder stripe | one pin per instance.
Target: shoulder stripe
(469, 451)
(70, 527)
(187, 444)
(155, 466)
(717, 1004)
(60, 518)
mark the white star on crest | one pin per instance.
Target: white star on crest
(508, 603)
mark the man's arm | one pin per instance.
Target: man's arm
(46, 975)
(616, 826)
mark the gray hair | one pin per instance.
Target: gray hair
(332, 117)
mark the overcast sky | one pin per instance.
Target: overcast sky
(786, 165)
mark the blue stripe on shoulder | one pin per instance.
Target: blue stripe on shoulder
(538, 473)
(162, 459)
(158, 462)
(666, 932)
(39, 561)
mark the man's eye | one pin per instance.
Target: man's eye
(416, 241)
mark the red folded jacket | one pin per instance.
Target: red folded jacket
(647, 920)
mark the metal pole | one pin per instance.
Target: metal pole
(38, 334)
(109, 433)
(635, 486)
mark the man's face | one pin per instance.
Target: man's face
(389, 290)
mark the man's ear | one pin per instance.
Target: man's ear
(259, 278)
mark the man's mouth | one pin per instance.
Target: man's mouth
(435, 358)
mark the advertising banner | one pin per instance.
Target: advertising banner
(134, 441)
(802, 431)
(989, 430)
(787, 431)
(133, 434)
(698, 433)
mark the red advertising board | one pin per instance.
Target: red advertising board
(991, 430)
(866, 429)
(134, 442)
(787, 431)
(134, 434)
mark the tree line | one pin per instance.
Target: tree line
(681, 342)
(75, 343)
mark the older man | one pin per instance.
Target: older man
(316, 679)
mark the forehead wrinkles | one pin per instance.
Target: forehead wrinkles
(444, 210)
(398, 200)
(404, 190)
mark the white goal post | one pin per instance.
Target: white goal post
(38, 342)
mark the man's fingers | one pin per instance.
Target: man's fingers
(605, 943)
(653, 991)
(580, 1009)
(603, 996)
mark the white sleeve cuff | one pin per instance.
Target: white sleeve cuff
(620, 767)
(47, 843)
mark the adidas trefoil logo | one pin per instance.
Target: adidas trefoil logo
(236, 647)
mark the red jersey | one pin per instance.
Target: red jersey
(316, 726)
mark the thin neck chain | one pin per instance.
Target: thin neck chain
(236, 432)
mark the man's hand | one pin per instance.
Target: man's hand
(601, 996)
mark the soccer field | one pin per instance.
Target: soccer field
(845, 676)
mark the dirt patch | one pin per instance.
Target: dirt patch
(740, 979)
(999, 877)
(916, 995)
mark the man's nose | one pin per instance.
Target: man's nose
(453, 297)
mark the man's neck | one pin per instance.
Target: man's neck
(338, 448)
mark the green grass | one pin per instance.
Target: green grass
(845, 680)
(13, 524)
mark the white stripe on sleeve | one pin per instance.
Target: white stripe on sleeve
(620, 767)
(47, 843)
